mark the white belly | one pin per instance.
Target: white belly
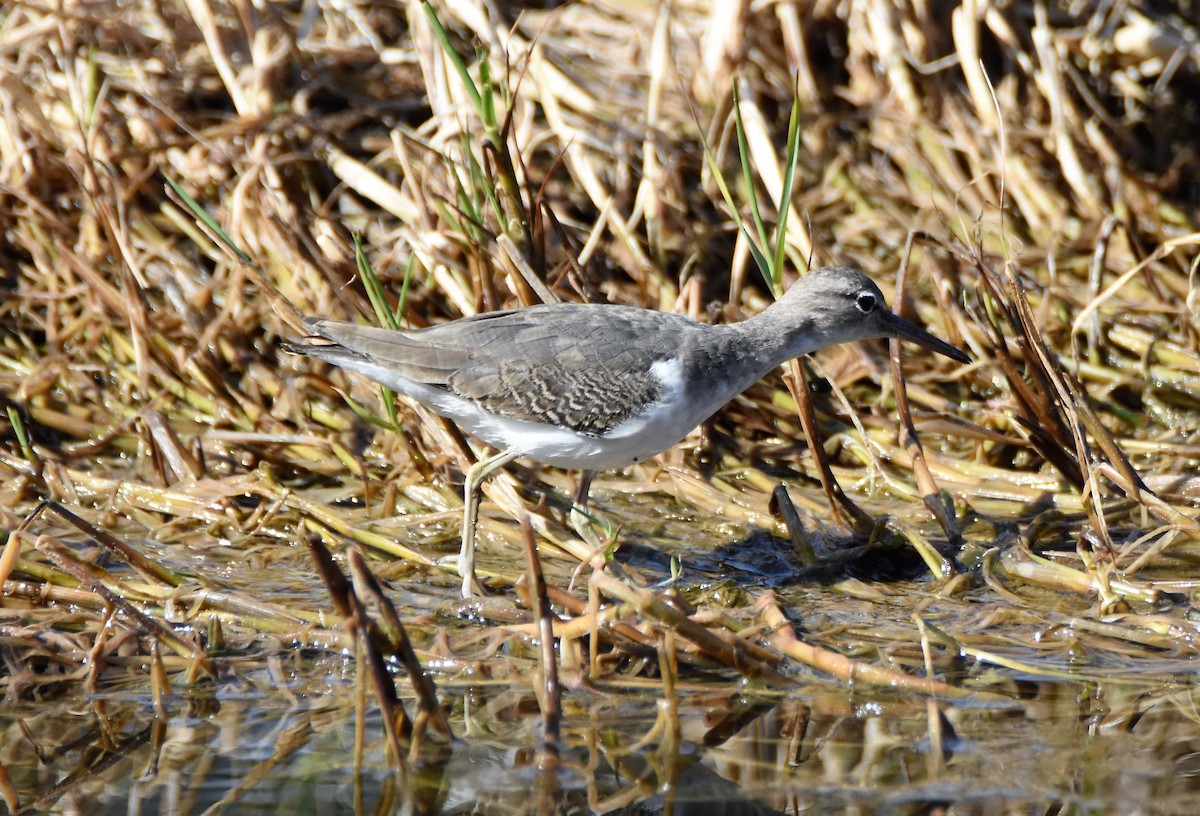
(659, 426)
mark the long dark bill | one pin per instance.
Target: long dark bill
(899, 327)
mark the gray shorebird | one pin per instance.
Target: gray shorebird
(594, 387)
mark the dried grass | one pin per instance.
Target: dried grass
(1047, 155)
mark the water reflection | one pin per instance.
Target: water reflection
(1079, 746)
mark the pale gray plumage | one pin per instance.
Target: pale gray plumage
(593, 386)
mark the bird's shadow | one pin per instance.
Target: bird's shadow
(764, 560)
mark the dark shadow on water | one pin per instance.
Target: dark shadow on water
(763, 560)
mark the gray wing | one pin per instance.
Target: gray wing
(581, 366)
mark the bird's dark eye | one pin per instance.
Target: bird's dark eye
(865, 302)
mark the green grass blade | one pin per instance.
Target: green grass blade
(208, 220)
(764, 245)
(715, 167)
(402, 301)
(785, 195)
(439, 32)
(14, 419)
(383, 315)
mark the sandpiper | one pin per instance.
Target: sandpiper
(594, 387)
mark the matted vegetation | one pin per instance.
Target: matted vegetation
(1029, 171)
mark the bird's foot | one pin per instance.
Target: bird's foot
(471, 588)
(590, 527)
(599, 533)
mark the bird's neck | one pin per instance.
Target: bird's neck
(735, 356)
(776, 335)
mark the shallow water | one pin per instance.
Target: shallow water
(281, 738)
(277, 740)
(1070, 711)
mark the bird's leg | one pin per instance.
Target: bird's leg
(585, 487)
(579, 516)
(596, 531)
(471, 484)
